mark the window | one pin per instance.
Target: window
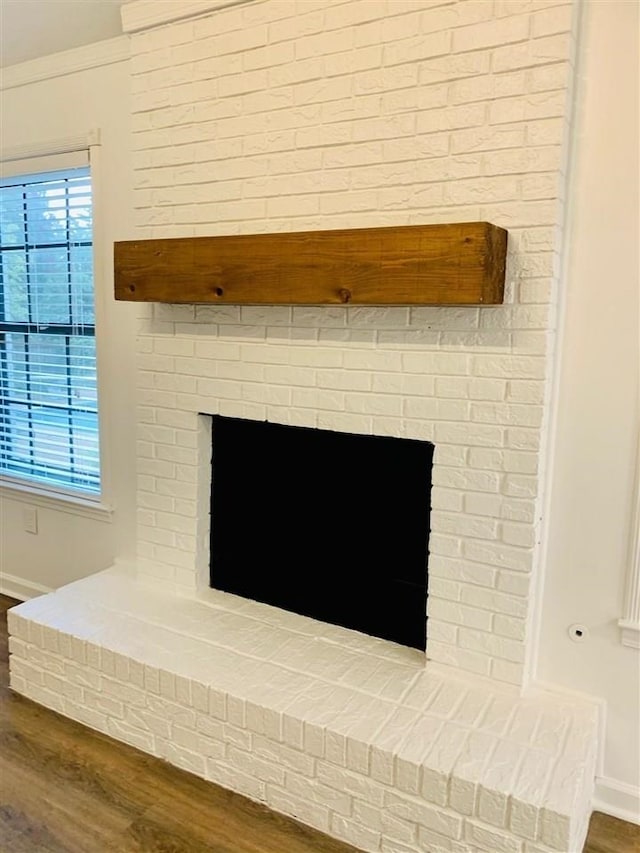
(48, 389)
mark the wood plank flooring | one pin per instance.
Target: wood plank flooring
(67, 789)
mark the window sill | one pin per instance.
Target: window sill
(57, 501)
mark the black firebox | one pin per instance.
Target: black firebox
(326, 524)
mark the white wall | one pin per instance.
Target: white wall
(67, 545)
(597, 416)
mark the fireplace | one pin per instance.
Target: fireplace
(256, 120)
(325, 524)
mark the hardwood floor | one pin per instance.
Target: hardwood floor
(67, 789)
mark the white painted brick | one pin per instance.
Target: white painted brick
(354, 833)
(443, 632)
(557, 19)
(481, 481)
(492, 644)
(50, 640)
(545, 131)
(82, 676)
(513, 215)
(529, 847)
(527, 795)
(488, 87)
(521, 486)
(556, 830)
(515, 367)
(375, 819)
(519, 534)
(483, 504)
(412, 809)
(255, 767)
(540, 51)
(498, 602)
(360, 787)
(87, 716)
(443, 588)
(44, 697)
(467, 525)
(440, 761)
(534, 106)
(474, 435)
(121, 730)
(522, 160)
(486, 389)
(311, 814)
(129, 694)
(235, 779)
(514, 582)
(411, 753)
(31, 674)
(502, 556)
(19, 684)
(491, 34)
(466, 115)
(459, 614)
(436, 70)
(18, 626)
(497, 783)
(316, 792)
(430, 145)
(488, 138)
(436, 409)
(417, 49)
(446, 499)
(507, 414)
(507, 626)
(490, 839)
(548, 77)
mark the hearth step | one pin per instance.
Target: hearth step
(347, 733)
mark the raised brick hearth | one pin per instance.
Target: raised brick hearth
(349, 734)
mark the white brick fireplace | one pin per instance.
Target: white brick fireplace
(287, 115)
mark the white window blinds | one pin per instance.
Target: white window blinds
(48, 389)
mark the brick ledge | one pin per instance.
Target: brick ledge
(347, 733)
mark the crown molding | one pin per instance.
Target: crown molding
(144, 14)
(54, 65)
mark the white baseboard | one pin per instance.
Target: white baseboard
(21, 588)
(617, 799)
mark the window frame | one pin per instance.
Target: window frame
(55, 156)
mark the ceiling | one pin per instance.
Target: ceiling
(33, 28)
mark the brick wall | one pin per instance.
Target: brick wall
(284, 115)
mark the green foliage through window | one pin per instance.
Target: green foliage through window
(48, 391)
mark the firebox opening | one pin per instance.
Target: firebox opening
(325, 524)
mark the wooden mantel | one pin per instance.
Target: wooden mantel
(453, 264)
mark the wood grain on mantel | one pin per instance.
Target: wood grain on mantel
(452, 264)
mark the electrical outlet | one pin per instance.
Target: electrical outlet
(30, 519)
